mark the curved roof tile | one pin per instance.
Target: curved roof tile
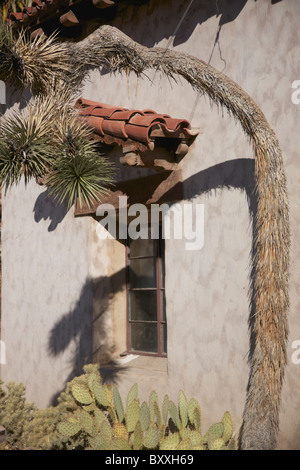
(125, 124)
(68, 13)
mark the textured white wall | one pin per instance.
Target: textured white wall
(207, 291)
(46, 293)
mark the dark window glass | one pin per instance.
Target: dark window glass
(143, 305)
(143, 337)
(147, 328)
(142, 272)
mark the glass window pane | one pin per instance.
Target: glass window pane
(143, 337)
(143, 305)
(142, 272)
(142, 247)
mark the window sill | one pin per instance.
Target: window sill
(132, 363)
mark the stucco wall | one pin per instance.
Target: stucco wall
(45, 273)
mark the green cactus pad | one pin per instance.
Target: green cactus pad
(100, 394)
(194, 413)
(170, 442)
(185, 444)
(118, 403)
(227, 423)
(68, 429)
(90, 381)
(81, 394)
(132, 415)
(132, 394)
(152, 399)
(199, 447)
(98, 443)
(108, 393)
(183, 408)
(151, 438)
(165, 409)
(87, 423)
(214, 432)
(196, 438)
(184, 433)
(120, 431)
(144, 416)
(174, 414)
(99, 418)
(137, 439)
(216, 444)
(119, 444)
(157, 414)
(106, 430)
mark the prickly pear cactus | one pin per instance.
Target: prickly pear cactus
(91, 415)
(103, 423)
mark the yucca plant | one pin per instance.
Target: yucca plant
(49, 142)
(25, 147)
(25, 151)
(6, 47)
(33, 63)
(80, 174)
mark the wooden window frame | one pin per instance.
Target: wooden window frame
(160, 248)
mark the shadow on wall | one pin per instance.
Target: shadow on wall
(198, 13)
(76, 328)
(46, 208)
(232, 174)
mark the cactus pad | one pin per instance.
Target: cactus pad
(81, 394)
(151, 438)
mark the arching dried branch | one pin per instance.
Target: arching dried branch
(108, 46)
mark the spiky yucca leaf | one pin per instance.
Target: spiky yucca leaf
(33, 62)
(27, 147)
(81, 175)
(6, 47)
(48, 141)
(25, 150)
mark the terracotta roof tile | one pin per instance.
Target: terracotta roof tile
(122, 125)
(67, 13)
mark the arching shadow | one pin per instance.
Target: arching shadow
(232, 174)
(78, 324)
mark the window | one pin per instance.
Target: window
(147, 328)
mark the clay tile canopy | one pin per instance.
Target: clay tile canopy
(140, 130)
(45, 16)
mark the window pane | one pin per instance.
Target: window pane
(143, 306)
(141, 247)
(142, 272)
(143, 337)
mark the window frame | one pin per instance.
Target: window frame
(159, 289)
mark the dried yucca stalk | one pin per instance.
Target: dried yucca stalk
(109, 47)
(34, 62)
